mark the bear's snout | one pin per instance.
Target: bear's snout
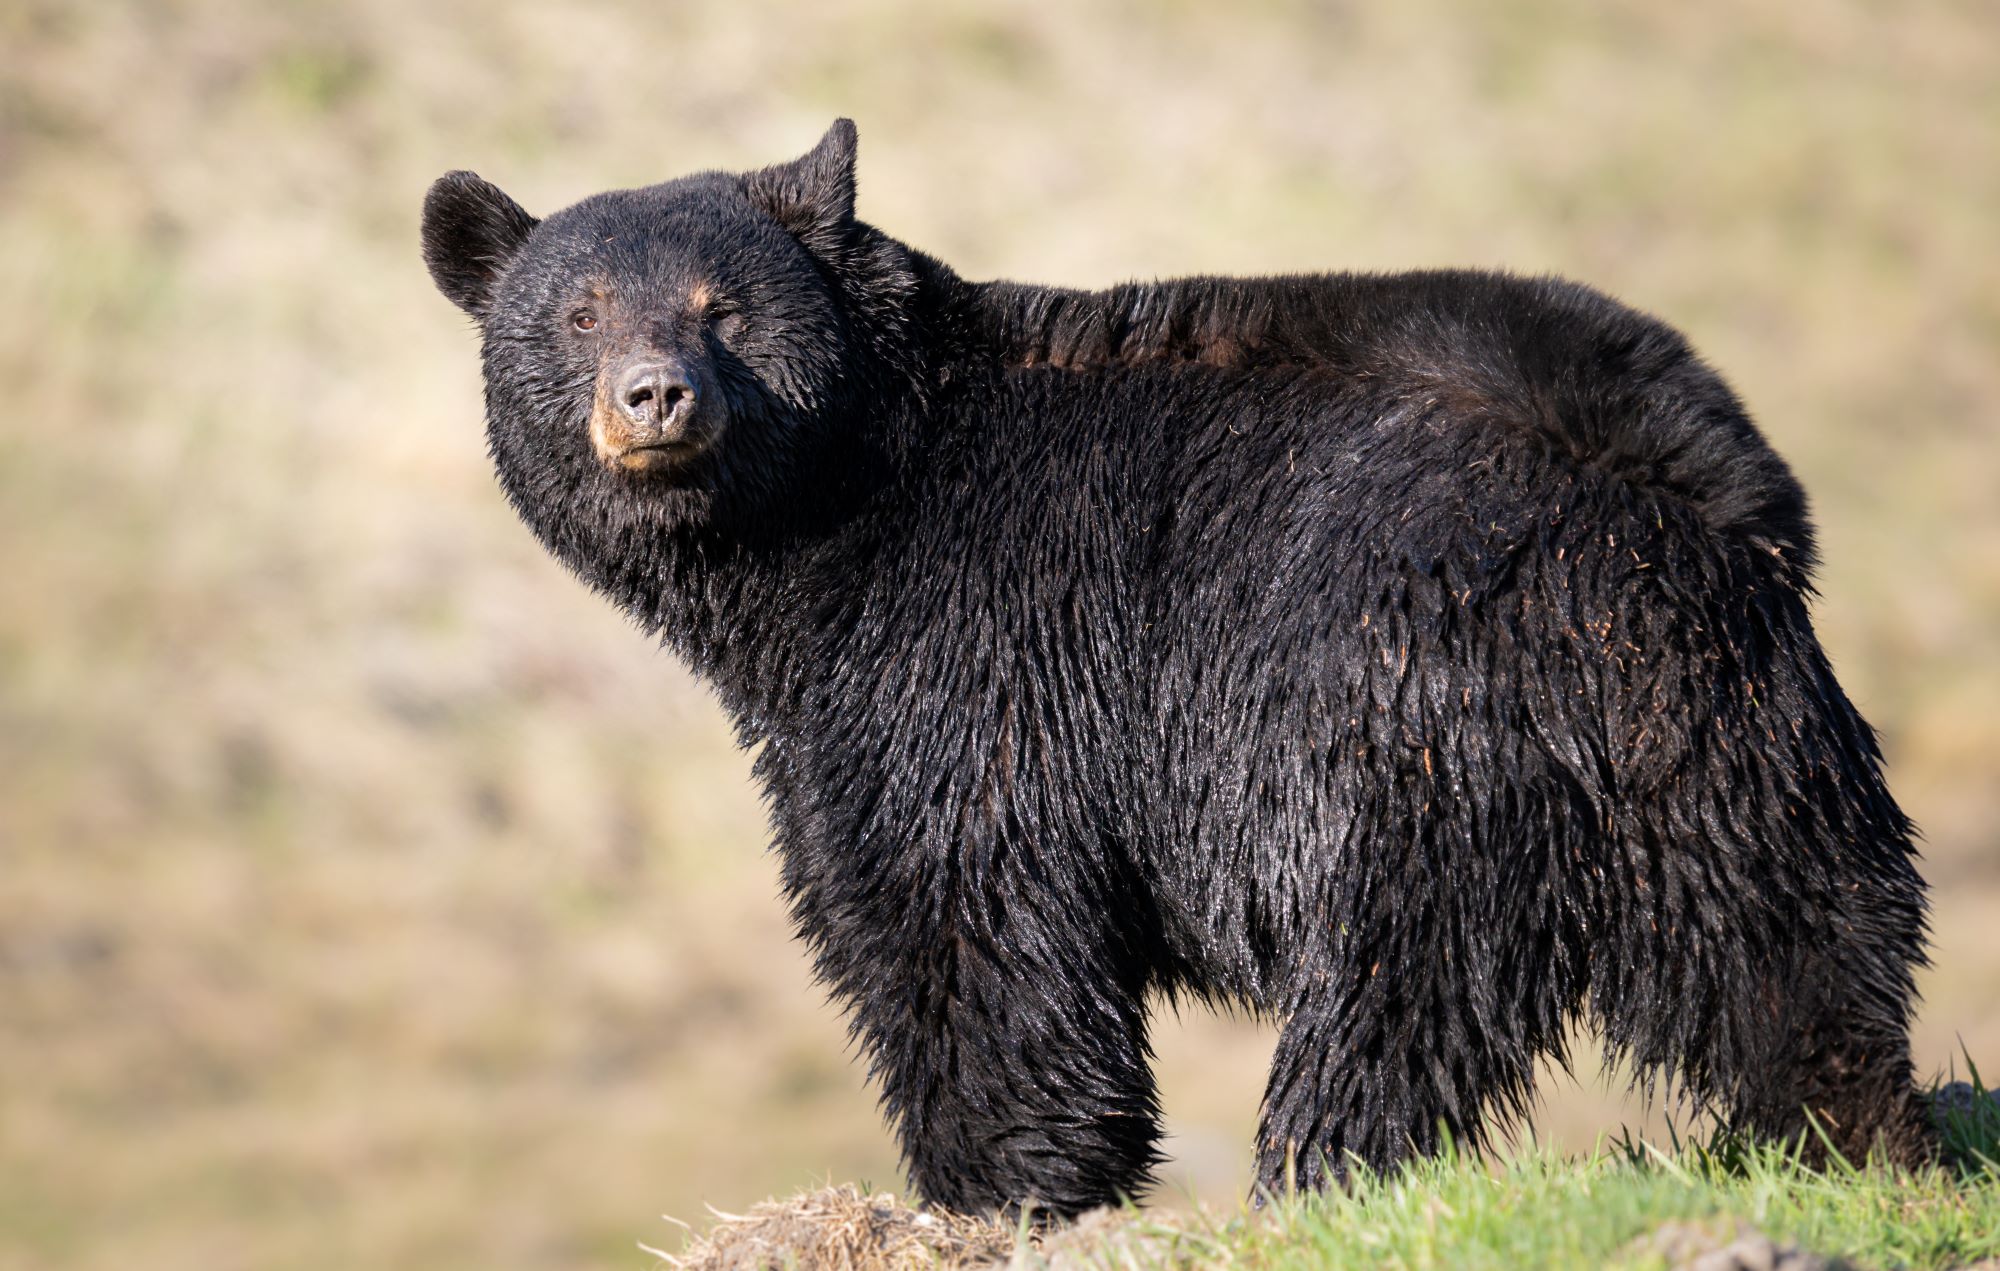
(656, 396)
(646, 413)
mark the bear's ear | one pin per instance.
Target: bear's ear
(813, 195)
(472, 232)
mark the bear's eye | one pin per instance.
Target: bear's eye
(583, 320)
(726, 323)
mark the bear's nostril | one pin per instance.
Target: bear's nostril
(639, 397)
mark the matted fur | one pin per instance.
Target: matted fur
(1422, 660)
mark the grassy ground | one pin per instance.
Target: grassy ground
(1630, 1205)
(1542, 1210)
(369, 896)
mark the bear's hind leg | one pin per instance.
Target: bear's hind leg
(1842, 1055)
(1770, 1018)
(1760, 939)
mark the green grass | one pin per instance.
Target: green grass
(1541, 1208)
(1627, 1203)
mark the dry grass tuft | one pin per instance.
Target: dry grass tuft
(846, 1229)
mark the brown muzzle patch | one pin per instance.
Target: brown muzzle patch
(612, 435)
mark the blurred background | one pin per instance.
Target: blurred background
(370, 895)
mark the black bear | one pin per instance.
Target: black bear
(1421, 660)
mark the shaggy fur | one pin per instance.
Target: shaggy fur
(1421, 660)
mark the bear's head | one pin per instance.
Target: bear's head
(671, 349)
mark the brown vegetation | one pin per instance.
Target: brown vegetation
(844, 1229)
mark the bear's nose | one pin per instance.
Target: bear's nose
(657, 395)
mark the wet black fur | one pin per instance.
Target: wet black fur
(1421, 660)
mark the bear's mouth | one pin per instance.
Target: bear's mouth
(657, 456)
(623, 446)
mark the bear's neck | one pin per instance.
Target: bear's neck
(750, 594)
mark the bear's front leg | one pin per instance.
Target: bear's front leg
(1007, 1030)
(1378, 1058)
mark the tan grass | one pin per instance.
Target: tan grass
(845, 1229)
(370, 896)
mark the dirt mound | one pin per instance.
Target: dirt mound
(844, 1229)
(1700, 1247)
